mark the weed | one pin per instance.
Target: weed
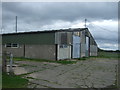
(83, 58)
(43, 60)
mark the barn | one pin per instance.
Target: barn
(51, 45)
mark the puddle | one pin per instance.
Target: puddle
(18, 70)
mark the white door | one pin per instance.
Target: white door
(64, 52)
(76, 47)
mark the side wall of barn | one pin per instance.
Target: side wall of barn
(33, 51)
(93, 46)
(40, 51)
(38, 45)
(17, 52)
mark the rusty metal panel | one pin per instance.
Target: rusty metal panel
(64, 38)
(69, 38)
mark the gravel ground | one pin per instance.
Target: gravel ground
(92, 73)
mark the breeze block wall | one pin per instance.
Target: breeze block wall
(40, 52)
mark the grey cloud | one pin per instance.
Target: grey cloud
(44, 12)
(38, 15)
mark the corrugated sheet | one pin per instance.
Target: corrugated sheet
(40, 38)
(76, 46)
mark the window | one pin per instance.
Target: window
(12, 45)
(8, 45)
(63, 46)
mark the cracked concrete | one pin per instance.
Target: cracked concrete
(92, 73)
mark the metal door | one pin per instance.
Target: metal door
(76, 47)
(87, 46)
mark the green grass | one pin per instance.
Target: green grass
(43, 60)
(101, 54)
(13, 81)
(104, 54)
(66, 62)
(0, 79)
(83, 58)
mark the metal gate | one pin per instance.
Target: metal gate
(76, 47)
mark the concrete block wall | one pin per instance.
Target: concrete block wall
(17, 52)
(40, 51)
(33, 51)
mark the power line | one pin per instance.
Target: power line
(99, 26)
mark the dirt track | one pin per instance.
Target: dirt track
(92, 73)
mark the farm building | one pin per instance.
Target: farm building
(51, 45)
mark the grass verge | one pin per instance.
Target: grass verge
(101, 54)
(13, 81)
(83, 58)
(43, 60)
(104, 54)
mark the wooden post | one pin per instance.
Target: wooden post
(4, 61)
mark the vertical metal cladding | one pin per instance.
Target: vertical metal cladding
(93, 50)
(83, 44)
(0, 61)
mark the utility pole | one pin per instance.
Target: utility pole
(85, 22)
(16, 25)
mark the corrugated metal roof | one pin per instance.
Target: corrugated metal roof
(48, 31)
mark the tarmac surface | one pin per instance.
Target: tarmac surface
(92, 73)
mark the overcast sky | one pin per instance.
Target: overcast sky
(102, 18)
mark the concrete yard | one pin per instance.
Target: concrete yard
(92, 73)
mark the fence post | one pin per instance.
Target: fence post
(4, 61)
(11, 64)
